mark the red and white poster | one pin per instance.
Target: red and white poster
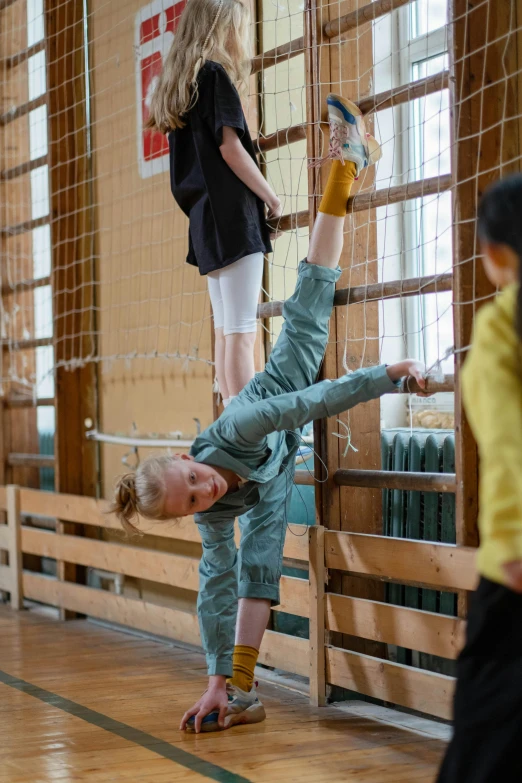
(155, 26)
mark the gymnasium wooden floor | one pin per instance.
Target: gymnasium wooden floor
(79, 702)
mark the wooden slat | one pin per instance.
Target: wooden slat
(25, 285)
(391, 682)
(31, 460)
(427, 632)
(433, 386)
(414, 286)
(405, 93)
(23, 55)
(279, 54)
(5, 538)
(162, 567)
(3, 499)
(23, 168)
(367, 13)
(283, 652)
(280, 138)
(21, 111)
(89, 511)
(22, 228)
(294, 596)
(21, 402)
(303, 478)
(402, 560)
(376, 198)
(317, 617)
(14, 523)
(394, 479)
(165, 568)
(5, 578)
(26, 345)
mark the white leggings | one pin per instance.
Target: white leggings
(234, 293)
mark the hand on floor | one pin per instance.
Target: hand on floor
(214, 699)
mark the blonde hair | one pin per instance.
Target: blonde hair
(215, 30)
(142, 493)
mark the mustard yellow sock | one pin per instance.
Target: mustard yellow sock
(243, 665)
(338, 188)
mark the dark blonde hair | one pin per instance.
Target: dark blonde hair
(215, 30)
(142, 493)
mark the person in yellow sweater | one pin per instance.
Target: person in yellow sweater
(487, 739)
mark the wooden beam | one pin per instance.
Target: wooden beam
(376, 198)
(391, 682)
(162, 567)
(16, 59)
(402, 560)
(22, 402)
(25, 285)
(6, 4)
(278, 650)
(20, 111)
(73, 281)
(278, 55)
(394, 479)
(404, 94)
(24, 168)
(316, 606)
(394, 289)
(22, 228)
(14, 523)
(359, 17)
(434, 634)
(89, 511)
(280, 138)
(31, 460)
(26, 345)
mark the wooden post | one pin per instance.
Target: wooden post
(317, 619)
(72, 237)
(14, 526)
(486, 146)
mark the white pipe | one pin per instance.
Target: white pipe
(160, 443)
(120, 440)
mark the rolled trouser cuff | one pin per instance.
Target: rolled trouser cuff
(219, 664)
(319, 272)
(260, 590)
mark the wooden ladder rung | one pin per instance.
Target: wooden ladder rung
(23, 168)
(279, 54)
(25, 285)
(23, 55)
(6, 3)
(21, 228)
(405, 93)
(376, 198)
(27, 402)
(395, 479)
(394, 289)
(26, 345)
(20, 111)
(280, 138)
(367, 13)
(31, 460)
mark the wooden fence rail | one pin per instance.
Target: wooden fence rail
(404, 561)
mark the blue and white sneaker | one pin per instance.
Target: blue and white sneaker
(348, 137)
(242, 708)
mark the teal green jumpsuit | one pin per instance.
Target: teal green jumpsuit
(258, 437)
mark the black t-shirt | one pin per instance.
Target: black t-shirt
(227, 220)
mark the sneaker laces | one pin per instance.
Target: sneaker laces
(338, 138)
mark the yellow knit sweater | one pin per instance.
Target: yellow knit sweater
(492, 389)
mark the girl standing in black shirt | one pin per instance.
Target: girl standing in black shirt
(214, 174)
